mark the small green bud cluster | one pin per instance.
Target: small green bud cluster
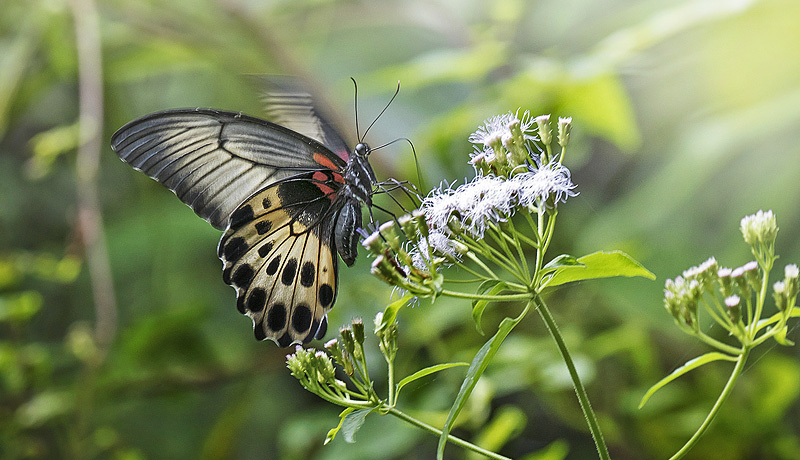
(387, 336)
(785, 291)
(684, 294)
(413, 269)
(316, 371)
(760, 231)
(734, 297)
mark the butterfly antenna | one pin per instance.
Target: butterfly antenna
(413, 151)
(396, 92)
(355, 108)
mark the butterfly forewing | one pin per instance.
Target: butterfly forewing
(290, 103)
(214, 160)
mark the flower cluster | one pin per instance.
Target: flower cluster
(316, 372)
(739, 289)
(515, 172)
(490, 199)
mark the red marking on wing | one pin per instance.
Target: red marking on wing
(319, 178)
(322, 160)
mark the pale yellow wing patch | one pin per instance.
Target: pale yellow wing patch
(284, 273)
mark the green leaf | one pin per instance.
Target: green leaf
(689, 366)
(476, 369)
(780, 337)
(390, 313)
(332, 433)
(600, 265)
(352, 422)
(424, 372)
(564, 260)
(479, 305)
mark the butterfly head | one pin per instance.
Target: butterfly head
(362, 150)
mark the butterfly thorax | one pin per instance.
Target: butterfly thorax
(359, 176)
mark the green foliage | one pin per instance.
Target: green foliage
(685, 116)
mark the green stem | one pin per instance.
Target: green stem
(580, 391)
(450, 438)
(392, 389)
(716, 343)
(762, 295)
(497, 298)
(737, 370)
(520, 252)
(471, 255)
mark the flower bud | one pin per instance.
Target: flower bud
(792, 273)
(358, 331)
(333, 348)
(409, 227)
(389, 232)
(759, 228)
(751, 274)
(725, 281)
(348, 340)
(734, 308)
(780, 295)
(564, 128)
(323, 365)
(543, 123)
(421, 222)
(374, 243)
(741, 281)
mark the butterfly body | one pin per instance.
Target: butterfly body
(288, 204)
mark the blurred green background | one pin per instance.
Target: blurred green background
(686, 118)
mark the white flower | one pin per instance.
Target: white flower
(488, 199)
(493, 129)
(552, 180)
(501, 131)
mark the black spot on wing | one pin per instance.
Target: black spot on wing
(265, 249)
(241, 216)
(307, 274)
(301, 317)
(325, 295)
(285, 340)
(273, 266)
(242, 276)
(276, 317)
(235, 248)
(257, 300)
(289, 272)
(259, 332)
(263, 226)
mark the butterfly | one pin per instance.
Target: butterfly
(289, 203)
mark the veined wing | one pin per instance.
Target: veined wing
(214, 160)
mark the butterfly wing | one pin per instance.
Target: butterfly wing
(273, 190)
(278, 255)
(214, 160)
(289, 103)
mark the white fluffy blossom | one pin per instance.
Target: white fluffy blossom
(491, 199)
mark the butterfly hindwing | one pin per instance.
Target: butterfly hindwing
(277, 253)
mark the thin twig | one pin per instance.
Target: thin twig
(90, 221)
